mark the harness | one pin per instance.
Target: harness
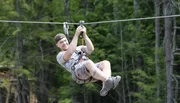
(76, 65)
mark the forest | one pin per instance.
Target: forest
(140, 38)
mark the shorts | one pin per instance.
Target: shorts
(81, 71)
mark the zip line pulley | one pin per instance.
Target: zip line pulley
(81, 22)
(66, 29)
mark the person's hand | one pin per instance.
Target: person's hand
(78, 30)
(81, 30)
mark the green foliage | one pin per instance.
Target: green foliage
(146, 87)
(64, 93)
(21, 72)
(129, 46)
(5, 83)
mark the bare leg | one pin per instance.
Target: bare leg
(103, 73)
(95, 72)
(111, 82)
(105, 67)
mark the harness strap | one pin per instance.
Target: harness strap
(78, 80)
(80, 59)
(75, 78)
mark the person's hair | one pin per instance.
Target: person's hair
(59, 37)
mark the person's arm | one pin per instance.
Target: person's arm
(89, 44)
(73, 44)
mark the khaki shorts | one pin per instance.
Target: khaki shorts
(81, 71)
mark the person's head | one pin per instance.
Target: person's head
(61, 41)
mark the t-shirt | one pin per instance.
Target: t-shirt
(73, 59)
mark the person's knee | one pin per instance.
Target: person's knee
(106, 62)
(89, 63)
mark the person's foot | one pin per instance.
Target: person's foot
(116, 81)
(107, 85)
(110, 83)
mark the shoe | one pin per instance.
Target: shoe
(110, 83)
(116, 81)
(107, 85)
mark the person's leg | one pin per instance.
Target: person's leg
(111, 82)
(95, 72)
(103, 72)
(105, 67)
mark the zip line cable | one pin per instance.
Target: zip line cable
(134, 19)
(29, 22)
(98, 22)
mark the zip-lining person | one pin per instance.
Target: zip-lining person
(74, 59)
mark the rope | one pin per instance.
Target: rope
(99, 22)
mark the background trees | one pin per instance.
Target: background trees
(142, 52)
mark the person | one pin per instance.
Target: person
(74, 59)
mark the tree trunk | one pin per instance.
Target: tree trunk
(19, 41)
(66, 10)
(18, 53)
(157, 39)
(127, 82)
(136, 14)
(136, 8)
(168, 49)
(176, 89)
(86, 97)
(41, 92)
(122, 68)
(1, 95)
(3, 92)
(115, 28)
(85, 5)
(8, 93)
(116, 17)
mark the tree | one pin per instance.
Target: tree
(168, 49)
(157, 44)
(129, 46)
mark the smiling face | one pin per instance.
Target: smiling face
(63, 44)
